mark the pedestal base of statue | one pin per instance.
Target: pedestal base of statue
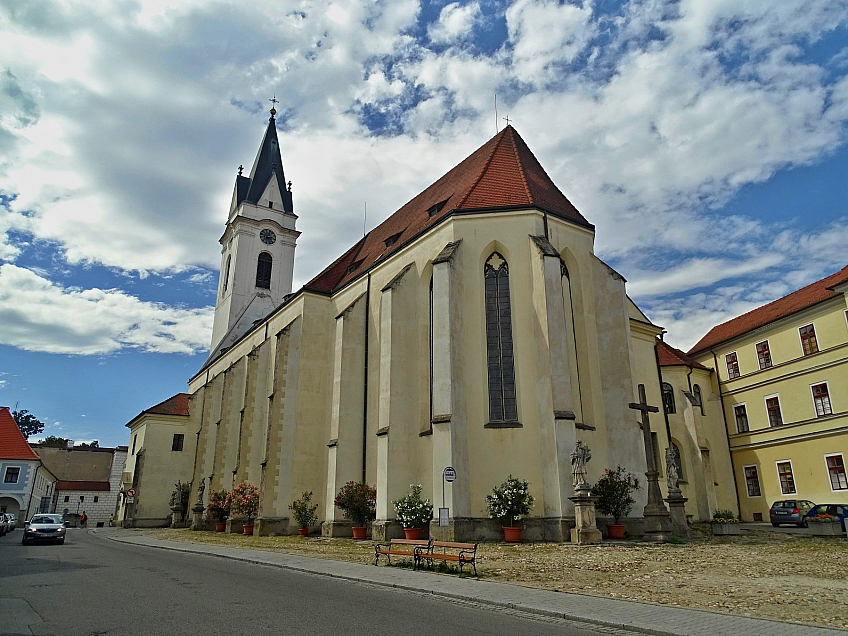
(657, 518)
(197, 522)
(177, 517)
(586, 530)
(676, 505)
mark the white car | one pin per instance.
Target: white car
(13, 519)
(43, 527)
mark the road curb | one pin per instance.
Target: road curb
(529, 609)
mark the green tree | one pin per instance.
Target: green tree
(94, 444)
(52, 440)
(27, 422)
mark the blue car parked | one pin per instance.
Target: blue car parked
(834, 510)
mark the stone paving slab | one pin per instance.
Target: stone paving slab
(641, 617)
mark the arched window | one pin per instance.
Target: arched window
(227, 273)
(499, 357)
(696, 392)
(668, 397)
(263, 270)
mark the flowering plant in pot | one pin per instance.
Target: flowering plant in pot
(614, 492)
(509, 502)
(244, 500)
(303, 511)
(218, 509)
(724, 523)
(413, 512)
(358, 502)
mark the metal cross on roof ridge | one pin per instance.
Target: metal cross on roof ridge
(274, 101)
(506, 119)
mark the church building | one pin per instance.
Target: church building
(474, 328)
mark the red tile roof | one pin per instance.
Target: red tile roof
(796, 301)
(669, 357)
(175, 405)
(67, 484)
(502, 173)
(13, 444)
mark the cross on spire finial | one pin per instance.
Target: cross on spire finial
(274, 101)
(506, 119)
(241, 169)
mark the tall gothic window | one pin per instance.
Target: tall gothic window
(499, 356)
(668, 397)
(263, 270)
(227, 273)
(696, 391)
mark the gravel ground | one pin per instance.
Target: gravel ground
(787, 577)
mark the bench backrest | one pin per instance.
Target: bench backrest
(410, 542)
(451, 544)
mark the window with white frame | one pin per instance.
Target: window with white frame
(752, 481)
(821, 399)
(732, 365)
(787, 480)
(809, 344)
(775, 418)
(836, 471)
(13, 473)
(764, 354)
(740, 412)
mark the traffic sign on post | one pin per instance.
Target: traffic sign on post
(449, 474)
(131, 492)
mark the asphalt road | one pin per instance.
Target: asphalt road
(92, 585)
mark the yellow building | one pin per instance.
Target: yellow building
(782, 371)
(161, 452)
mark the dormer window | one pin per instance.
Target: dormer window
(433, 210)
(354, 266)
(392, 239)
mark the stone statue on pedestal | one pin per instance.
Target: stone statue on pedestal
(579, 458)
(675, 500)
(672, 468)
(201, 488)
(585, 530)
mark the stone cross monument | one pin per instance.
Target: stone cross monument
(586, 530)
(657, 518)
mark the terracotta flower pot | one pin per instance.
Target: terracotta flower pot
(304, 532)
(615, 530)
(248, 529)
(360, 532)
(512, 535)
(220, 526)
(413, 534)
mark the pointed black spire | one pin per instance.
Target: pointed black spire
(268, 164)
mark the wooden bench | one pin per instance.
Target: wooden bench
(459, 553)
(402, 547)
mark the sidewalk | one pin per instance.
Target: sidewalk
(641, 617)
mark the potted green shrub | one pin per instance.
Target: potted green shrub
(413, 512)
(509, 502)
(358, 502)
(218, 509)
(244, 500)
(725, 523)
(303, 511)
(614, 497)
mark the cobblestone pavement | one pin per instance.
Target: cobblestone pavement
(768, 575)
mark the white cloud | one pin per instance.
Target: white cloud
(455, 23)
(38, 315)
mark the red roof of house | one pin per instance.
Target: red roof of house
(67, 484)
(175, 405)
(669, 357)
(13, 444)
(796, 301)
(502, 173)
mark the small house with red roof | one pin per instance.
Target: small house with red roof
(780, 374)
(474, 328)
(161, 453)
(26, 486)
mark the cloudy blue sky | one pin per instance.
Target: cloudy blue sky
(704, 138)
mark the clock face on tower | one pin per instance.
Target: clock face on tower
(268, 237)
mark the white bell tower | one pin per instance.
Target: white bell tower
(257, 255)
